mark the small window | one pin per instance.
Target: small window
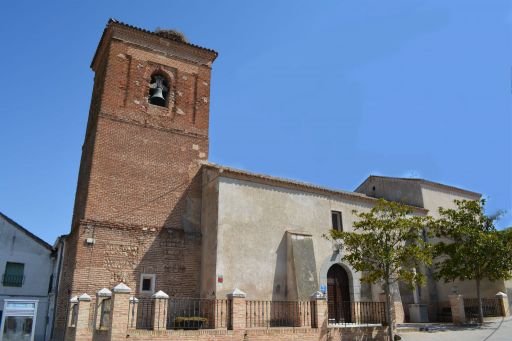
(337, 222)
(147, 283)
(13, 275)
(158, 90)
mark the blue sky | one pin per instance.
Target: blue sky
(326, 92)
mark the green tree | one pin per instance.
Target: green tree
(470, 247)
(386, 245)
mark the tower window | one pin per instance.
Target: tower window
(337, 222)
(158, 90)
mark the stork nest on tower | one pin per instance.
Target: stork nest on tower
(171, 34)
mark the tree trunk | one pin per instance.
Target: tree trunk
(479, 298)
(389, 310)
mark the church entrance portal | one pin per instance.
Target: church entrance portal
(338, 295)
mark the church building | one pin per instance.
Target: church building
(153, 213)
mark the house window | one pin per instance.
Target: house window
(147, 283)
(337, 222)
(13, 275)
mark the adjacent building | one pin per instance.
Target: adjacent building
(26, 262)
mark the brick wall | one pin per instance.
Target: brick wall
(275, 334)
(120, 311)
(139, 191)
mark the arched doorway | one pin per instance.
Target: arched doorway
(338, 295)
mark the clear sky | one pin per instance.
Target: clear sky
(326, 92)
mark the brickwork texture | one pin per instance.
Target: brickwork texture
(138, 198)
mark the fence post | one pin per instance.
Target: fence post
(320, 313)
(101, 295)
(457, 307)
(236, 299)
(119, 311)
(160, 304)
(505, 311)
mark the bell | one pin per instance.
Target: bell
(157, 97)
(158, 91)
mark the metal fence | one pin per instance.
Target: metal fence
(74, 315)
(13, 280)
(266, 314)
(197, 313)
(141, 312)
(181, 313)
(104, 311)
(440, 311)
(357, 313)
(491, 308)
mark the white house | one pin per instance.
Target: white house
(26, 265)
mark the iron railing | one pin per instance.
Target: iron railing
(13, 280)
(357, 313)
(197, 313)
(266, 314)
(140, 315)
(105, 308)
(440, 311)
(491, 308)
(74, 315)
(179, 313)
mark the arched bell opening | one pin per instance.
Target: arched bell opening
(338, 295)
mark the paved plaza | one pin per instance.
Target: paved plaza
(497, 330)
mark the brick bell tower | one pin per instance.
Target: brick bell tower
(138, 200)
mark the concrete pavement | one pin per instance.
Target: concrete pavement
(497, 330)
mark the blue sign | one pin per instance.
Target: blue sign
(323, 288)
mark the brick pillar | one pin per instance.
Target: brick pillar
(83, 329)
(320, 311)
(457, 306)
(160, 304)
(238, 309)
(119, 311)
(504, 303)
(398, 312)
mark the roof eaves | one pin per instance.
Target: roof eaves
(428, 182)
(156, 34)
(299, 184)
(120, 23)
(27, 232)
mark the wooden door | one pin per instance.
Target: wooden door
(338, 295)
